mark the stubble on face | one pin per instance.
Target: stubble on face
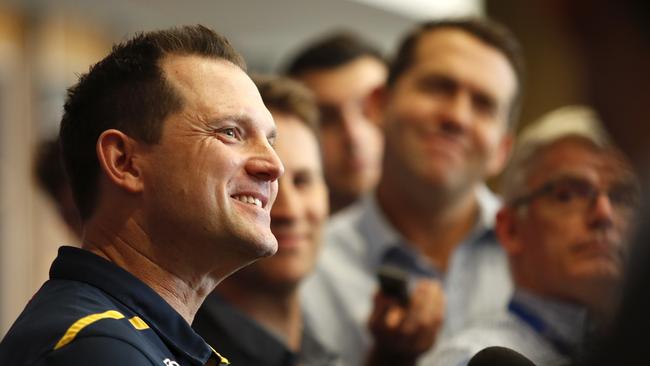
(351, 143)
(213, 154)
(446, 118)
(573, 252)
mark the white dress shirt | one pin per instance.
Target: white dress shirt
(338, 296)
(547, 332)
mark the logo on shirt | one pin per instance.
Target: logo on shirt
(169, 362)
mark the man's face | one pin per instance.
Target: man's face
(562, 242)
(351, 144)
(300, 210)
(445, 118)
(212, 179)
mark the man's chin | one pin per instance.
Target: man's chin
(252, 249)
(603, 272)
(264, 247)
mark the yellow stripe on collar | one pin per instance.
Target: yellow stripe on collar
(80, 324)
(222, 359)
(138, 323)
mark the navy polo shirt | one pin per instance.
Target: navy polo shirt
(92, 312)
(246, 342)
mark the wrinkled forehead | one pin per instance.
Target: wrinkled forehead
(212, 88)
(580, 158)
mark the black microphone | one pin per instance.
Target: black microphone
(499, 356)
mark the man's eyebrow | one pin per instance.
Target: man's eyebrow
(572, 175)
(237, 118)
(629, 179)
(241, 120)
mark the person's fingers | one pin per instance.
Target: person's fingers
(425, 309)
(385, 314)
(408, 329)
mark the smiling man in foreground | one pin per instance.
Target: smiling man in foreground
(169, 149)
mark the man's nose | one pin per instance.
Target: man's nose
(601, 212)
(352, 119)
(287, 206)
(265, 163)
(456, 112)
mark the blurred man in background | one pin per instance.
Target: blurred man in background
(255, 316)
(570, 199)
(51, 177)
(613, 38)
(343, 71)
(447, 114)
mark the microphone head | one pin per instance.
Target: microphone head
(499, 356)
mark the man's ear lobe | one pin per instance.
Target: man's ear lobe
(507, 227)
(375, 104)
(115, 152)
(501, 155)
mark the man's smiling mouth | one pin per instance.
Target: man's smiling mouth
(248, 199)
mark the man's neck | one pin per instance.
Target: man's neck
(436, 222)
(183, 291)
(277, 311)
(339, 201)
(600, 297)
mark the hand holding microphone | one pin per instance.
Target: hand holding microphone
(405, 320)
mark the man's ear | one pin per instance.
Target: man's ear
(501, 155)
(115, 152)
(507, 230)
(375, 104)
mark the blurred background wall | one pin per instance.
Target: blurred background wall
(45, 44)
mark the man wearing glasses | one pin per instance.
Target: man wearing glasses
(570, 199)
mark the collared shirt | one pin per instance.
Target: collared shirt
(338, 296)
(546, 331)
(92, 312)
(246, 342)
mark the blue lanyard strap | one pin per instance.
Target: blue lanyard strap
(540, 327)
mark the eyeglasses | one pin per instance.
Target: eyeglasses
(578, 195)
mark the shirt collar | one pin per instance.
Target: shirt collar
(257, 342)
(488, 204)
(249, 337)
(81, 265)
(567, 323)
(375, 226)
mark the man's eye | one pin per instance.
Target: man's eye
(564, 194)
(438, 85)
(302, 179)
(329, 116)
(485, 105)
(230, 132)
(573, 190)
(625, 196)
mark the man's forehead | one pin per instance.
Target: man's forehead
(193, 71)
(214, 91)
(350, 80)
(575, 156)
(466, 56)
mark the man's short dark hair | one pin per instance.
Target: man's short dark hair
(127, 91)
(48, 168)
(331, 52)
(284, 95)
(487, 31)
